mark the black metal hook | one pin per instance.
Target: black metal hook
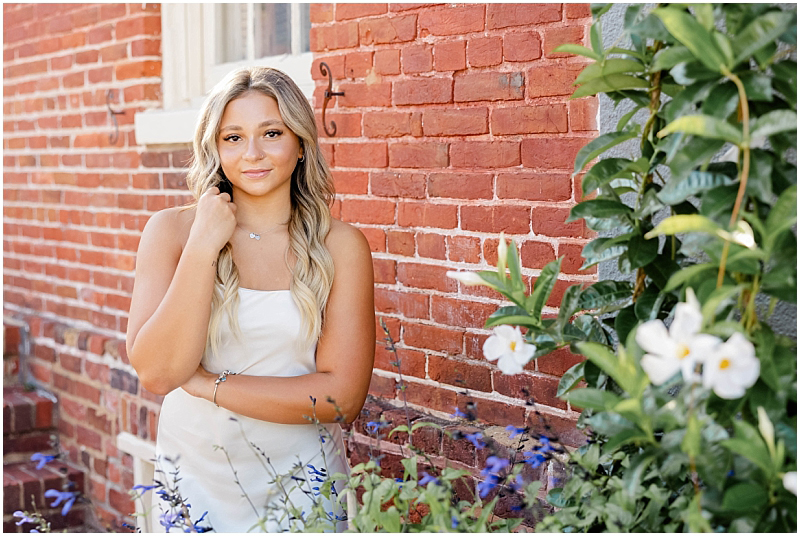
(329, 94)
(112, 138)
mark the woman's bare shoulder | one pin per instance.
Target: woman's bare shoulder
(170, 227)
(345, 239)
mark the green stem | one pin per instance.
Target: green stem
(744, 146)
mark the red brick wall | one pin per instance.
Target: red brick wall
(455, 125)
(74, 204)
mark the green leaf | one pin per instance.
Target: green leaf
(598, 208)
(607, 170)
(773, 122)
(649, 205)
(749, 444)
(668, 58)
(410, 465)
(620, 368)
(596, 399)
(608, 67)
(718, 299)
(705, 126)
(569, 304)
(693, 36)
(514, 268)
(604, 293)
(759, 33)
(625, 322)
(596, 37)
(624, 438)
(602, 249)
(744, 497)
(783, 215)
(687, 274)
(570, 379)
(623, 121)
(758, 87)
(641, 251)
(608, 83)
(691, 441)
(598, 10)
(721, 102)
(684, 223)
(578, 50)
(542, 288)
(633, 475)
(600, 145)
(697, 152)
(677, 191)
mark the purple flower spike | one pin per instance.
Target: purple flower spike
(43, 459)
(24, 518)
(534, 459)
(59, 496)
(514, 431)
(486, 486)
(427, 478)
(494, 465)
(459, 413)
(475, 439)
(168, 519)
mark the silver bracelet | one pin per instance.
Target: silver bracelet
(222, 377)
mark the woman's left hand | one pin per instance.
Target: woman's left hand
(201, 384)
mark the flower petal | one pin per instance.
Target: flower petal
(658, 369)
(508, 365)
(494, 347)
(790, 481)
(687, 322)
(467, 278)
(652, 336)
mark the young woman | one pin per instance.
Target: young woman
(249, 303)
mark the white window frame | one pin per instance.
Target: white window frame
(190, 70)
(143, 453)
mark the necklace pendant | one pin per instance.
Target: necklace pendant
(255, 236)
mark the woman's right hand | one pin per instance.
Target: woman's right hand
(214, 220)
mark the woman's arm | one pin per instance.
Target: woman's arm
(171, 302)
(345, 352)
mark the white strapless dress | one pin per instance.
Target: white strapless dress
(191, 430)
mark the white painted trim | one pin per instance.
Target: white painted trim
(143, 453)
(154, 127)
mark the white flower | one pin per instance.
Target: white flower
(507, 345)
(680, 348)
(790, 481)
(468, 278)
(731, 368)
(767, 429)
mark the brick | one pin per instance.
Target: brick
(408, 304)
(426, 214)
(558, 362)
(552, 80)
(418, 155)
(400, 243)
(556, 427)
(385, 270)
(433, 338)
(549, 221)
(461, 185)
(551, 153)
(392, 184)
(505, 15)
(387, 61)
(485, 51)
(534, 254)
(494, 219)
(464, 249)
(484, 154)
(357, 11)
(452, 20)
(124, 381)
(491, 86)
(578, 11)
(138, 69)
(385, 388)
(375, 237)
(553, 37)
(412, 362)
(140, 25)
(97, 35)
(146, 47)
(425, 276)
(459, 312)
(417, 59)
(383, 30)
(350, 182)
(534, 186)
(334, 63)
(362, 155)
(583, 114)
(422, 91)
(337, 36)
(431, 245)
(320, 13)
(112, 11)
(454, 122)
(387, 124)
(357, 64)
(550, 118)
(459, 373)
(368, 211)
(573, 259)
(364, 95)
(493, 412)
(347, 125)
(450, 56)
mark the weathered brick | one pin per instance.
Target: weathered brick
(425, 276)
(383, 30)
(551, 153)
(417, 59)
(418, 155)
(484, 154)
(450, 55)
(461, 185)
(505, 15)
(494, 219)
(455, 122)
(534, 186)
(551, 118)
(422, 91)
(393, 184)
(491, 86)
(485, 51)
(553, 37)
(452, 20)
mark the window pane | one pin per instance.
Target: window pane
(273, 30)
(231, 20)
(305, 27)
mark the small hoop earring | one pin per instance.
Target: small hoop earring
(302, 159)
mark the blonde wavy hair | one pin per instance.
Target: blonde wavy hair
(311, 196)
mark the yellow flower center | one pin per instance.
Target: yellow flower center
(725, 363)
(683, 351)
(513, 346)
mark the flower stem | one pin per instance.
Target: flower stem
(744, 146)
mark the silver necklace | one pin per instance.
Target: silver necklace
(257, 236)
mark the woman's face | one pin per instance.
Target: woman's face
(257, 151)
